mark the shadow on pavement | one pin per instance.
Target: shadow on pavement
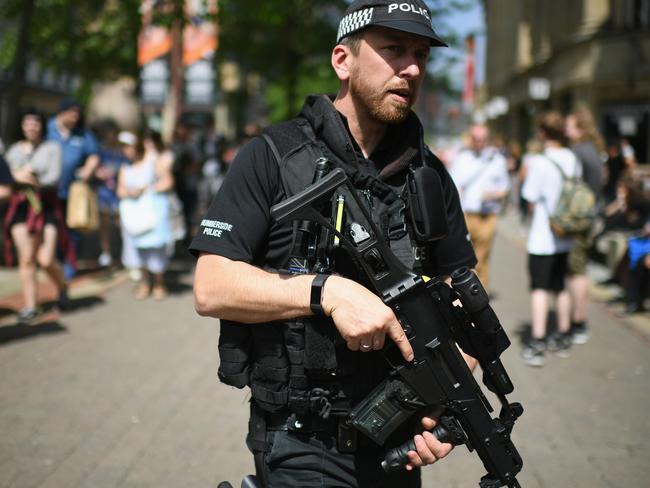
(17, 332)
(76, 303)
(523, 332)
(6, 311)
(524, 329)
(178, 276)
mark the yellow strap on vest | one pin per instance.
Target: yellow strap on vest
(339, 217)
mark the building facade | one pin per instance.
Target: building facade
(556, 54)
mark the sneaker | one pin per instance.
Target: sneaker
(533, 353)
(560, 344)
(104, 260)
(27, 315)
(580, 334)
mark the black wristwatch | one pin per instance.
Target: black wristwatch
(317, 293)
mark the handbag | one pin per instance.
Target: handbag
(139, 215)
(82, 212)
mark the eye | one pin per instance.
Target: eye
(394, 48)
(422, 55)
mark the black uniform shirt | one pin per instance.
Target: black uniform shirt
(238, 224)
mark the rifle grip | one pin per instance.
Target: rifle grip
(448, 430)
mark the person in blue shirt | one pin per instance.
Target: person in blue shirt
(80, 156)
(79, 146)
(111, 159)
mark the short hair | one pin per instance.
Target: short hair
(353, 42)
(552, 126)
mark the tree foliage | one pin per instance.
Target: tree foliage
(286, 41)
(94, 39)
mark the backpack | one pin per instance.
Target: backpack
(575, 211)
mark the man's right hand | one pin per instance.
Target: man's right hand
(361, 318)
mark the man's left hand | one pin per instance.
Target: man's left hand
(429, 449)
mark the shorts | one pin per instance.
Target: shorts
(153, 260)
(22, 211)
(548, 272)
(578, 256)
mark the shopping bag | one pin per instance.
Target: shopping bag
(139, 215)
(82, 211)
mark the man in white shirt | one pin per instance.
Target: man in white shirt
(548, 253)
(481, 175)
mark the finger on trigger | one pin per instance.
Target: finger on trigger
(396, 333)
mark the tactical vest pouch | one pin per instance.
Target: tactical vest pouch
(427, 204)
(234, 352)
(320, 354)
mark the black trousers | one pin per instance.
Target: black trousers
(638, 284)
(312, 460)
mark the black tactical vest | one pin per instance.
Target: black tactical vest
(303, 364)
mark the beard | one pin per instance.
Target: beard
(377, 102)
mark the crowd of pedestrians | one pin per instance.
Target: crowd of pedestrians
(147, 196)
(492, 176)
(151, 194)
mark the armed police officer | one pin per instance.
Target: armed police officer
(308, 345)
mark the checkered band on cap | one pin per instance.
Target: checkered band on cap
(353, 22)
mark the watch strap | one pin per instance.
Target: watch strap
(317, 293)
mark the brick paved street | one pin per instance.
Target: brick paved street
(119, 393)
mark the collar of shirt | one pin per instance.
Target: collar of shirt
(398, 147)
(54, 133)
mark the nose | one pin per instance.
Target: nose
(412, 68)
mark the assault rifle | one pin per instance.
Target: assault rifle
(434, 323)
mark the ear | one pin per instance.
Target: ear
(341, 59)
